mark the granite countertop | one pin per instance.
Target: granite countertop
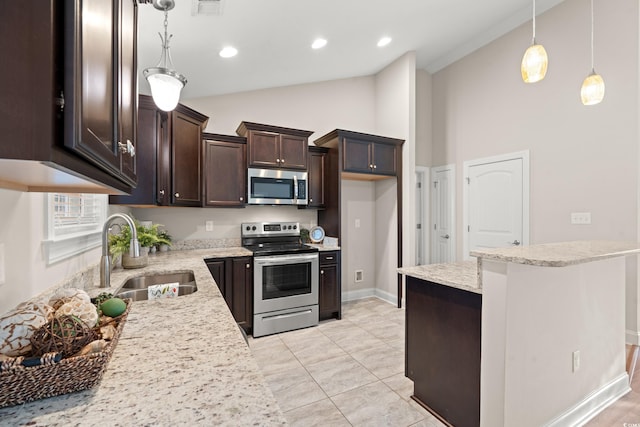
(323, 248)
(179, 361)
(461, 275)
(560, 254)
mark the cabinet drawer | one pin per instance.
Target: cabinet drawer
(329, 257)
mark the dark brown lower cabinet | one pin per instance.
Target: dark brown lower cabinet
(442, 350)
(330, 292)
(234, 277)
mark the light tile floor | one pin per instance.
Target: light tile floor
(343, 373)
(351, 372)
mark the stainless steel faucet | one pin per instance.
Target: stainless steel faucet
(105, 260)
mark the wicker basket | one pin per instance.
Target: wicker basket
(24, 384)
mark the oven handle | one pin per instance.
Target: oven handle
(295, 188)
(280, 259)
(284, 316)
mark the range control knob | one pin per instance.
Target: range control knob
(248, 228)
(253, 228)
(295, 227)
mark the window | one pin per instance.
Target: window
(73, 224)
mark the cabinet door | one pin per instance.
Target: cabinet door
(218, 272)
(316, 179)
(186, 140)
(356, 156)
(242, 306)
(384, 159)
(328, 298)
(128, 88)
(90, 83)
(264, 149)
(224, 173)
(293, 152)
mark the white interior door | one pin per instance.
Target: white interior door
(497, 202)
(443, 216)
(422, 178)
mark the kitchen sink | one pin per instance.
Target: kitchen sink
(136, 288)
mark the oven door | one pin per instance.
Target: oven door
(285, 281)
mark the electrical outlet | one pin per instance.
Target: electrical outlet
(359, 275)
(581, 218)
(2, 273)
(208, 225)
(576, 360)
(357, 223)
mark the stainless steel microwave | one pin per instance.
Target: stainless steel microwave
(276, 187)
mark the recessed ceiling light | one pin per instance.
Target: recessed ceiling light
(384, 41)
(228, 52)
(319, 43)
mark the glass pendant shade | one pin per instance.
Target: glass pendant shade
(592, 91)
(534, 64)
(165, 87)
(165, 83)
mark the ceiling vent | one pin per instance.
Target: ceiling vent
(206, 7)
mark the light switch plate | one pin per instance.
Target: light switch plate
(2, 274)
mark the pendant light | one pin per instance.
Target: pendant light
(165, 82)
(535, 59)
(592, 91)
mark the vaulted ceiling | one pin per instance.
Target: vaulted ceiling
(274, 37)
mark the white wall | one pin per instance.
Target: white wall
(319, 107)
(583, 159)
(22, 231)
(424, 124)
(396, 117)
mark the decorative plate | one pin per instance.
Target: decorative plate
(316, 234)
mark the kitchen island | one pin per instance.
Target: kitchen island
(548, 321)
(179, 361)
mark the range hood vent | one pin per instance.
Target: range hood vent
(206, 7)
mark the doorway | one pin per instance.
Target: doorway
(421, 197)
(443, 214)
(496, 202)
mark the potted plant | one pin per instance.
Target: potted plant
(147, 237)
(164, 240)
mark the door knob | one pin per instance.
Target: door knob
(515, 242)
(446, 236)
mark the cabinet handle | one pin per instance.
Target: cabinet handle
(162, 192)
(310, 200)
(277, 160)
(177, 195)
(122, 147)
(281, 160)
(321, 271)
(375, 166)
(329, 257)
(248, 265)
(241, 198)
(370, 166)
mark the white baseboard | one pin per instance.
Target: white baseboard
(593, 404)
(632, 337)
(369, 293)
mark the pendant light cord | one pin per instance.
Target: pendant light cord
(534, 22)
(592, 67)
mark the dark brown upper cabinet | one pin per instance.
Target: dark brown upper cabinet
(169, 155)
(316, 176)
(364, 156)
(68, 91)
(225, 174)
(275, 147)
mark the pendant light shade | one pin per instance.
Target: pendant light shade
(592, 91)
(534, 63)
(165, 82)
(535, 60)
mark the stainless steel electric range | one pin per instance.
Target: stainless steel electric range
(285, 290)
